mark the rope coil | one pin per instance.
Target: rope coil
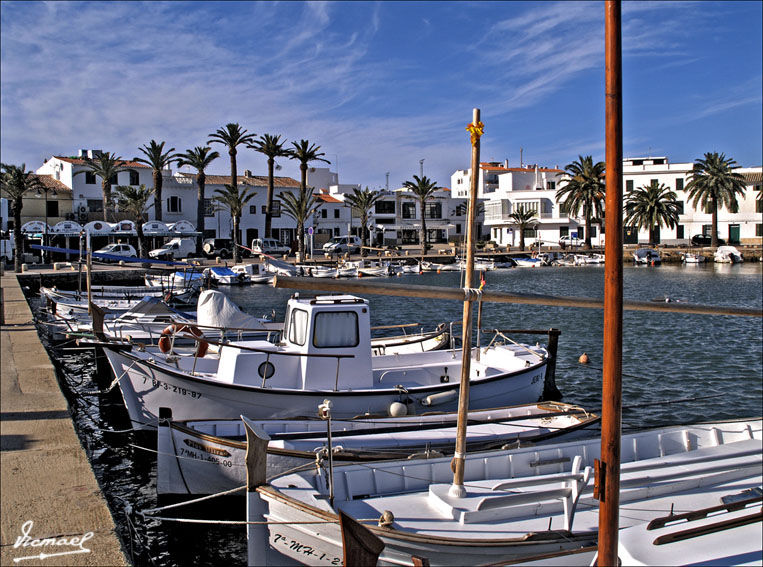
(472, 294)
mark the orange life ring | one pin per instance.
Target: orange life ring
(165, 343)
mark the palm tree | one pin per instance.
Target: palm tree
(584, 190)
(106, 166)
(424, 189)
(363, 201)
(524, 219)
(304, 152)
(15, 182)
(199, 158)
(235, 201)
(713, 184)
(300, 207)
(135, 202)
(232, 136)
(272, 147)
(158, 160)
(651, 207)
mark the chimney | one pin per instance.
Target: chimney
(82, 153)
(506, 163)
(247, 173)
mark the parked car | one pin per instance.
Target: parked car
(341, 244)
(568, 240)
(213, 247)
(125, 250)
(269, 246)
(174, 249)
(704, 240)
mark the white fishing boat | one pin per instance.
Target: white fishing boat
(278, 267)
(518, 503)
(204, 457)
(646, 257)
(320, 271)
(527, 262)
(326, 353)
(175, 280)
(728, 255)
(121, 292)
(255, 273)
(370, 268)
(689, 258)
(438, 267)
(222, 275)
(73, 309)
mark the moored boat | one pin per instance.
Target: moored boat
(728, 255)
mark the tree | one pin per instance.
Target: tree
(363, 201)
(235, 201)
(713, 184)
(584, 190)
(232, 136)
(135, 202)
(199, 158)
(524, 219)
(304, 152)
(272, 147)
(106, 166)
(423, 189)
(651, 207)
(158, 160)
(300, 207)
(15, 182)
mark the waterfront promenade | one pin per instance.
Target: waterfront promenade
(45, 474)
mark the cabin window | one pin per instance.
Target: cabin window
(298, 327)
(336, 330)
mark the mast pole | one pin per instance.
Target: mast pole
(457, 489)
(607, 483)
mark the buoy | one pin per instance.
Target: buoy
(360, 274)
(397, 409)
(583, 359)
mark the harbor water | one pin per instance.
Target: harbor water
(677, 368)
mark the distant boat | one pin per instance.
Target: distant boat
(647, 257)
(728, 255)
(226, 276)
(527, 262)
(689, 258)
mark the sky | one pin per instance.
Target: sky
(379, 86)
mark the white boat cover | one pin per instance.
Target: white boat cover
(215, 309)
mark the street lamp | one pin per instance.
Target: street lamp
(45, 236)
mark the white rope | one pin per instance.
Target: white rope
(472, 294)
(203, 498)
(113, 383)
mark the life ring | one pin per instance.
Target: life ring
(165, 342)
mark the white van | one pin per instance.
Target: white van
(175, 249)
(340, 244)
(269, 246)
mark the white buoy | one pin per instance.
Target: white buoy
(397, 409)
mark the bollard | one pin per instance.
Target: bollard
(24, 267)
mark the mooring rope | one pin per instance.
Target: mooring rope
(113, 383)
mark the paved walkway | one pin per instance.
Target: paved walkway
(45, 476)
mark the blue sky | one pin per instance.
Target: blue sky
(379, 85)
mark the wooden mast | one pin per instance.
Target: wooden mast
(607, 483)
(457, 489)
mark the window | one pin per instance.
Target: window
(297, 331)
(759, 206)
(89, 178)
(530, 232)
(564, 231)
(337, 212)
(134, 178)
(336, 330)
(275, 209)
(114, 179)
(409, 210)
(759, 229)
(209, 208)
(708, 208)
(324, 213)
(94, 206)
(707, 229)
(680, 207)
(679, 184)
(638, 162)
(680, 231)
(551, 185)
(385, 207)
(52, 208)
(433, 210)
(252, 209)
(264, 209)
(174, 204)
(629, 185)
(654, 182)
(593, 232)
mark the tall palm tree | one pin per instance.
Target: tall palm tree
(272, 147)
(652, 207)
(158, 160)
(363, 201)
(424, 189)
(713, 184)
(232, 136)
(106, 166)
(235, 201)
(584, 190)
(199, 158)
(135, 202)
(524, 219)
(300, 207)
(304, 153)
(15, 182)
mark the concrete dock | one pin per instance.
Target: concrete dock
(45, 475)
